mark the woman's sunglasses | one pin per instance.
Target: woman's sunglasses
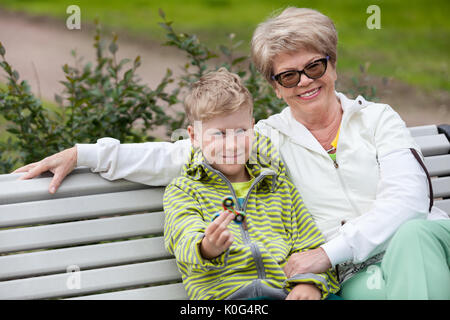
(291, 78)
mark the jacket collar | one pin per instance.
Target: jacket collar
(299, 134)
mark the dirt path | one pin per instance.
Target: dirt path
(38, 47)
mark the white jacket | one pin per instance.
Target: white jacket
(358, 202)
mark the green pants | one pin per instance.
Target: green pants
(416, 265)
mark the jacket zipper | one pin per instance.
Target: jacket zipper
(336, 166)
(344, 187)
(256, 253)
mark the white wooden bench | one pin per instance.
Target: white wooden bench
(97, 239)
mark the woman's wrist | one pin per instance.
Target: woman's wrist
(337, 251)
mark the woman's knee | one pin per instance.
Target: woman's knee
(423, 233)
(413, 229)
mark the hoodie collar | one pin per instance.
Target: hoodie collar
(263, 160)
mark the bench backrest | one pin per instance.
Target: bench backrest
(97, 239)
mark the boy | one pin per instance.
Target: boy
(218, 256)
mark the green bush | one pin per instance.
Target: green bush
(106, 98)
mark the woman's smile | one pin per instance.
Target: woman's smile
(310, 94)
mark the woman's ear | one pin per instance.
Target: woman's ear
(333, 74)
(277, 92)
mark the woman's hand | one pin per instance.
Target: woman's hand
(311, 261)
(304, 291)
(217, 236)
(61, 164)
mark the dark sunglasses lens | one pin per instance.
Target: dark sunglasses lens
(316, 69)
(289, 79)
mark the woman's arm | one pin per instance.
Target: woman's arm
(402, 194)
(152, 163)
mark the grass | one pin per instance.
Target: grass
(412, 44)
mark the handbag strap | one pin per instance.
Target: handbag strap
(430, 187)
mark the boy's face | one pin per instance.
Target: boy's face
(225, 141)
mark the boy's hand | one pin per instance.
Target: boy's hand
(217, 236)
(304, 291)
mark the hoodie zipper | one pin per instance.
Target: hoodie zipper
(256, 253)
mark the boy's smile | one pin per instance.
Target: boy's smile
(225, 141)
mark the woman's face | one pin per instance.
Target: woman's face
(311, 97)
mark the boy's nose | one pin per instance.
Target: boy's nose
(230, 146)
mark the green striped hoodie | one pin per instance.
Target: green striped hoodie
(278, 225)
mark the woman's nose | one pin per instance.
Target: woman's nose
(304, 81)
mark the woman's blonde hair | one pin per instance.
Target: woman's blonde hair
(216, 93)
(293, 30)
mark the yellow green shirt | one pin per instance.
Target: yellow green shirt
(241, 188)
(334, 144)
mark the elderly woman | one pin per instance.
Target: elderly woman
(354, 162)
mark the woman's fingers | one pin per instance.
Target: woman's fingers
(36, 170)
(61, 164)
(57, 180)
(25, 168)
(290, 265)
(310, 261)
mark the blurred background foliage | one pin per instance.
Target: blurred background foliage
(412, 45)
(105, 97)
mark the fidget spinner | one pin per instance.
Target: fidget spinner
(228, 205)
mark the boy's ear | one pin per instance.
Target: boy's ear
(253, 122)
(191, 133)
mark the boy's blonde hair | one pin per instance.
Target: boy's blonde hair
(293, 30)
(216, 93)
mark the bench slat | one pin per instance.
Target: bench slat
(64, 285)
(85, 257)
(90, 206)
(70, 233)
(74, 185)
(14, 176)
(428, 130)
(438, 165)
(441, 187)
(174, 291)
(443, 205)
(433, 145)
(122, 265)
